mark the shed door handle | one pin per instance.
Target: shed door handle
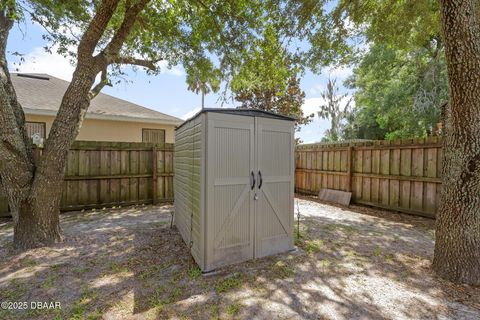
(253, 181)
(260, 178)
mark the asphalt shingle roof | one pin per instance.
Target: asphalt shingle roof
(43, 92)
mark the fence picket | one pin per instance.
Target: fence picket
(401, 175)
(104, 174)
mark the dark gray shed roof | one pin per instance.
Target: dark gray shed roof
(241, 112)
(42, 94)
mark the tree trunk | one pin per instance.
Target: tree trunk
(33, 215)
(38, 222)
(457, 246)
(33, 189)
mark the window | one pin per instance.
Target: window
(153, 135)
(36, 127)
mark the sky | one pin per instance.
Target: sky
(166, 92)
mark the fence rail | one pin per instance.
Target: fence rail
(403, 175)
(102, 174)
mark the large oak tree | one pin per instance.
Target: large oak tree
(102, 36)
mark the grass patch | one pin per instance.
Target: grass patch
(214, 312)
(17, 291)
(194, 272)
(313, 246)
(161, 297)
(150, 272)
(348, 228)
(282, 270)
(325, 263)
(226, 284)
(349, 253)
(332, 227)
(28, 263)
(154, 270)
(177, 276)
(377, 251)
(174, 295)
(156, 300)
(49, 282)
(117, 267)
(389, 256)
(81, 270)
(80, 307)
(233, 309)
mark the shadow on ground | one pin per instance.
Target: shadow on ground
(128, 264)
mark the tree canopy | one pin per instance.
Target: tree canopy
(204, 36)
(398, 93)
(396, 51)
(268, 78)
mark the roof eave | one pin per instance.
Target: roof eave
(93, 116)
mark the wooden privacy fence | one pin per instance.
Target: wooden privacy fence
(103, 174)
(401, 175)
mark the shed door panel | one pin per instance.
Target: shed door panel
(274, 207)
(229, 205)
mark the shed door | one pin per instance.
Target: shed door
(274, 205)
(229, 225)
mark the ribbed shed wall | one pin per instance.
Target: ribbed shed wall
(188, 158)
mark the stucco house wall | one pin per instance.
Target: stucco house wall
(107, 130)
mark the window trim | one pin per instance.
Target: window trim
(164, 134)
(38, 122)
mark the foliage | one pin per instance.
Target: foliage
(396, 48)
(203, 78)
(341, 31)
(268, 79)
(398, 94)
(204, 36)
(334, 109)
(287, 101)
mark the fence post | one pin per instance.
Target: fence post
(154, 174)
(37, 152)
(349, 168)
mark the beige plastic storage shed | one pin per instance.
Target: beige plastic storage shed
(234, 171)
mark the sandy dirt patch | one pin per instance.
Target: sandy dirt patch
(126, 263)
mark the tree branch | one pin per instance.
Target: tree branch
(149, 64)
(103, 82)
(96, 28)
(122, 33)
(12, 116)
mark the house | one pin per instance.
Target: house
(108, 118)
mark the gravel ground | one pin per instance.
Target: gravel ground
(126, 263)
